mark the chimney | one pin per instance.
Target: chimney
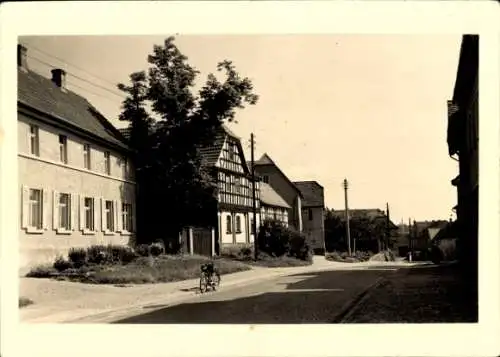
(59, 77)
(22, 62)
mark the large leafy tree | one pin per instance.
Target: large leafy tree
(174, 188)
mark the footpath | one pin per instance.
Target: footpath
(62, 301)
(426, 294)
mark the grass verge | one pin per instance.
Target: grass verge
(144, 270)
(24, 301)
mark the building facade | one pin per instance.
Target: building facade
(463, 145)
(270, 173)
(272, 206)
(313, 214)
(76, 182)
(234, 194)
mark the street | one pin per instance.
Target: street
(303, 298)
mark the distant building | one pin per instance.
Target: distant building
(271, 174)
(76, 181)
(313, 213)
(463, 142)
(272, 206)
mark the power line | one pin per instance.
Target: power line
(80, 78)
(68, 63)
(94, 93)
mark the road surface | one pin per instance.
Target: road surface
(317, 297)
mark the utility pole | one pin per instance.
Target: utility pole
(348, 232)
(254, 203)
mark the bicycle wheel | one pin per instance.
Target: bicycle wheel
(215, 279)
(203, 283)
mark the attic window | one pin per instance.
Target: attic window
(265, 179)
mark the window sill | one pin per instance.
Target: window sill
(32, 230)
(109, 233)
(126, 233)
(63, 231)
(88, 232)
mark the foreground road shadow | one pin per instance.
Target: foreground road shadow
(317, 298)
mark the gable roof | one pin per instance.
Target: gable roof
(211, 153)
(266, 160)
(41, 94)
(313, 193)
(268, 196)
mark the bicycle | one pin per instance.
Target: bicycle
(209, 278)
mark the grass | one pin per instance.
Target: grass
(143, 270)
(24, 301)
(279, 262)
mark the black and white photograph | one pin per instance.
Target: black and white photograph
(243, 180)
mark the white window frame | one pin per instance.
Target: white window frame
(229, 224)
(110, 211)
(27, 210)
(87, 161)
(83, 215)
(63, 149)
(107, 163)
(34, 142)
(57, 214)
(126, 218)
(39, 202)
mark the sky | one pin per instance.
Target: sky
(369, 108)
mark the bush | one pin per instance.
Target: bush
(156, 249)
(142, 250)
(42, 271)
(78, 256)
(24, 301)
(60, 264)
(110, 254)
(277, 240)
(238, 252)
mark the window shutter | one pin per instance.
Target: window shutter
(104, 217)
(132, 220)
(55, 211)
(81, 212)
(95, 206)
(119, 221)
(25, 206)
(74, 210)
(45, 209)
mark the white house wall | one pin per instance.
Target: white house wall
(47, 173)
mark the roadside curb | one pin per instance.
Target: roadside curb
(351, 306)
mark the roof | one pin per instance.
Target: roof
(125, 132)
(270, 197)
(266, 160)
(211, 153)
(313, 193)
(43, 95)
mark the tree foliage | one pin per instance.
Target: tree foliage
(169, 124)
(369, 233)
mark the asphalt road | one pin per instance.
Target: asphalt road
(303, 298)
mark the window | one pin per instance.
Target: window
(228, 225)
(35, 209)
(107, 163)
(238, 185)
(89, 213)
(310, 213)
(64, 211)
(86, 156)
(63, 149)
(265, 178)
(238, 224)
(127, 217)
(110, 216)
(34, 141)
(252, 226)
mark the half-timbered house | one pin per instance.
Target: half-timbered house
(226, 159)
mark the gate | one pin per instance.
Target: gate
(202, 241)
